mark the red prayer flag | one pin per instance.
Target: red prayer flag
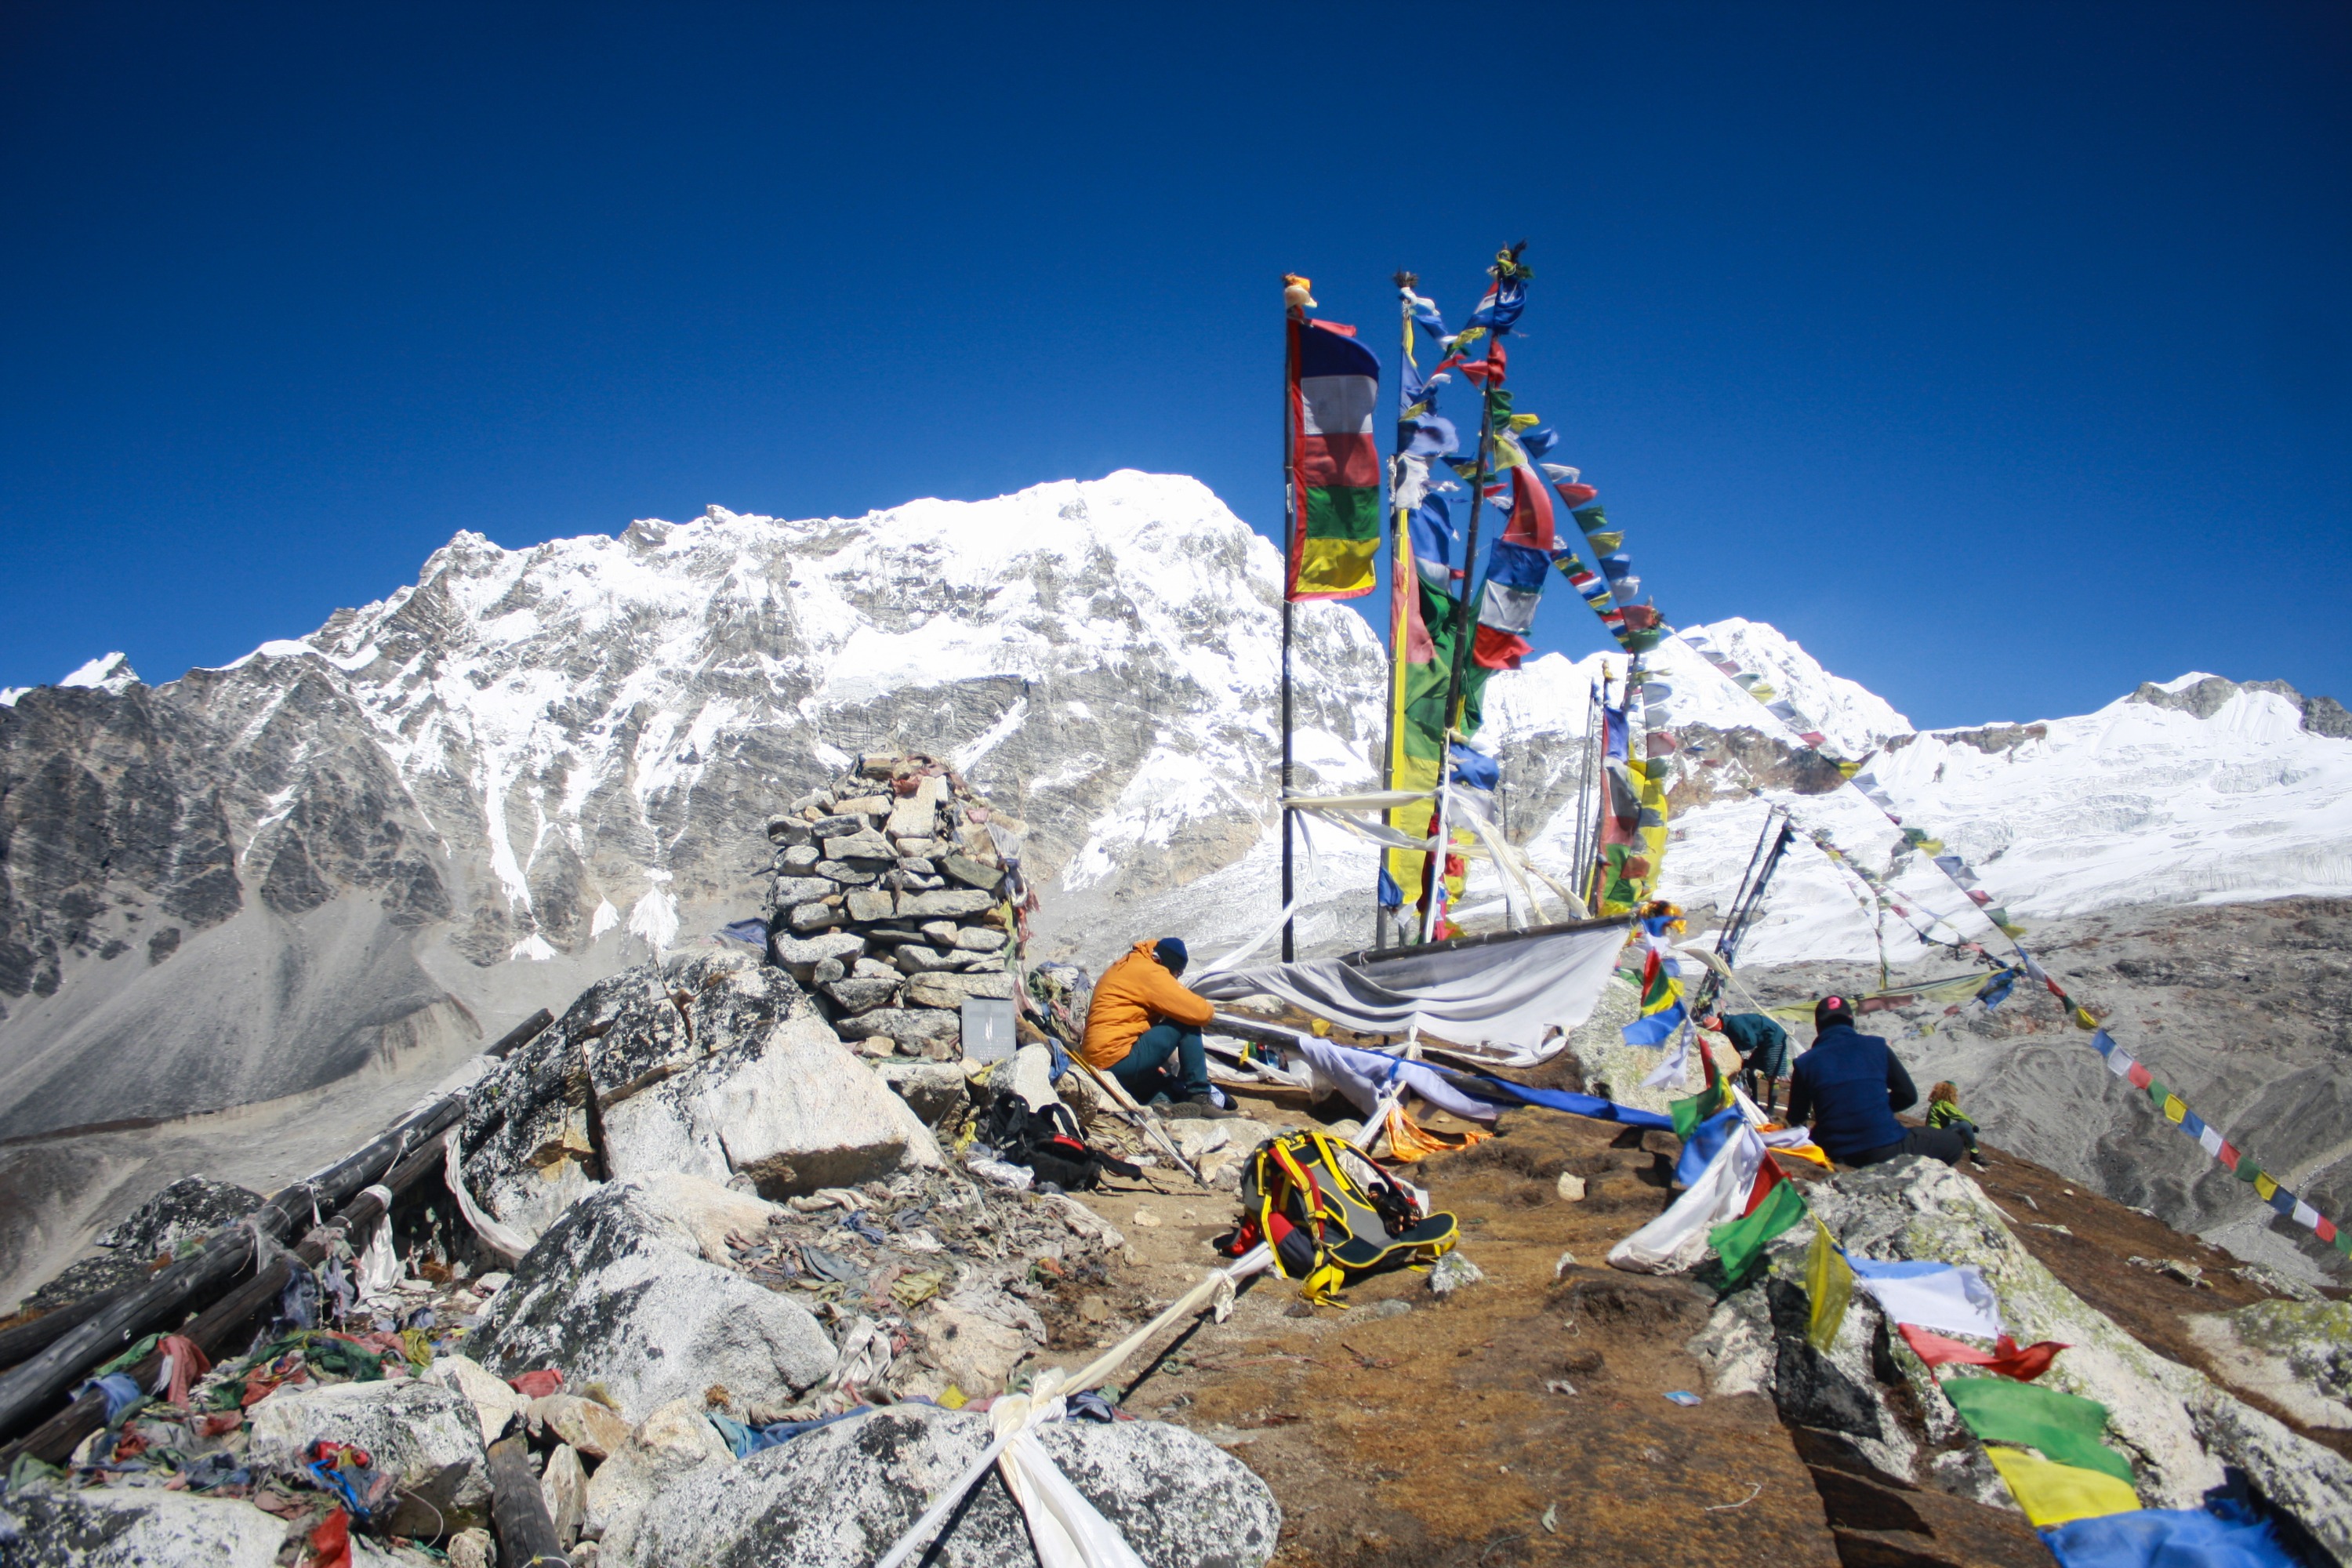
(1768, 1176)
(2024, 1363)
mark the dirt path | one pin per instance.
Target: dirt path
(1412, 1430)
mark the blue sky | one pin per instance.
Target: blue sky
(2000, 354)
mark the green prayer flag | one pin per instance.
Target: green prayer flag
(2065, 1426)
(1689, 1113)
(1741, 1243)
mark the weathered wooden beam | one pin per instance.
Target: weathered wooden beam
(522, 1033)
(27, 1339)
(518, 1509)
(28, 1389)
(215, 1330)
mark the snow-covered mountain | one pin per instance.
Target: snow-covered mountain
(349, 856)
(374, 842)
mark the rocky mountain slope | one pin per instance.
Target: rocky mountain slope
(285, 892)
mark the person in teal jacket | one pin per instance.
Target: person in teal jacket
(1763, 1048)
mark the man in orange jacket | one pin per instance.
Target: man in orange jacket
(1141, 1015)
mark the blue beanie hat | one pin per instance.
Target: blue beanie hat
(1169, 951)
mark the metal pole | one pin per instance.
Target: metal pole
(1398, 586)
(1292, 316)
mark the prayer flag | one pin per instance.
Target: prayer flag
(1335, 491)
(2066, 1428)
(1657, 1029)
(1774, 1206)
(1932, 1295)
(2167, 1538)
(2056, 1494)
(1507, 604)
(1829, 1285)
(2008, 1358)
(1709, 1127)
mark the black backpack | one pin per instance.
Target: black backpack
(1050, 1144)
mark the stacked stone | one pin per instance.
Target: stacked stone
(888, 904)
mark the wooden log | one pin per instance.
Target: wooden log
(521, 1034)
(526, 1535)
(29, 1388)
(215, 1330)
(27, 1339)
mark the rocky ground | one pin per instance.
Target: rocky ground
(1522, 1416)
(2246, 1010)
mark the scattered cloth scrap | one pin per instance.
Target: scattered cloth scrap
(2008, 1358)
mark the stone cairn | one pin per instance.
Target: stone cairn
(896, 898)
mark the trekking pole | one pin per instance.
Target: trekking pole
(1140, 1115)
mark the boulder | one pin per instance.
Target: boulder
(2296, 1352)
(973, 874)
(948, 903)
(799, 955)
(915, 958)
(865, 845)
(951, 990)
(908, 1026)
(861, 996)
(866, 806)
(790, 891)
(815, 917)
(851, 873)
(840, 825)
(134, 1527)
(931, 1088)
(838, 1496)
(564, 1486)
(799, 858)
(2179, 1431)
(593, 1430)
(980, 939)
(915, 815)
(870, 906)
(430, 1436)
(495, 1402)
(673, 1442)
(1033, 1078)
(714, 1066)
(628, 1289)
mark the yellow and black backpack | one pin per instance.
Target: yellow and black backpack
(1331, 1215)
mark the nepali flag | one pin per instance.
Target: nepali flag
(1335, 523)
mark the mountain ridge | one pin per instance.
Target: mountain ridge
(361, 851)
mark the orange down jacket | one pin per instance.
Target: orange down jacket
(1134, 994)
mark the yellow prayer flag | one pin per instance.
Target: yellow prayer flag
(2175, 1108)
(2265, 1186)
(2083, 1019)
(2052, 1494)
(1829, 1282)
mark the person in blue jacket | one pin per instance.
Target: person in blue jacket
(1851, 1086)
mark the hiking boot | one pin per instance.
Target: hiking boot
(1980, 1161)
